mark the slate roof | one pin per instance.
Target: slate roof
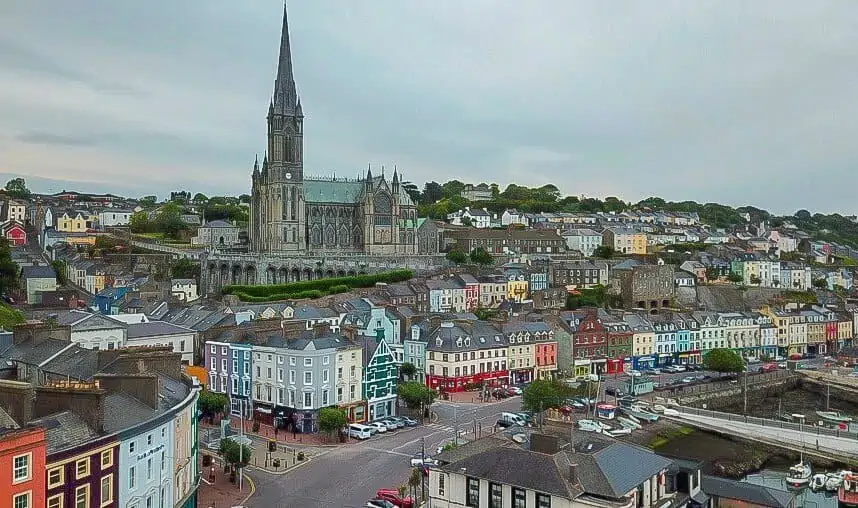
(612, 469)
(399, 289)
(314, 313)
(75, 362)
(482, 335)
(81, 321)
(122, 411)
(64, 430)
(750, 493)
(337, 191)
(219, 224)
(7, 422)
(32, 353)
(38, 272)
(155, 328)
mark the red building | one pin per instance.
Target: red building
(464, 355)
(472, 291)
(589, 340)
(546, 359)
(22, 468)
(14, 232)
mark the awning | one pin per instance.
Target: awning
(263, 410)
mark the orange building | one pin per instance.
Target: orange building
(22, 468)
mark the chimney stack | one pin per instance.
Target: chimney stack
(573, 473)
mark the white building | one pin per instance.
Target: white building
(110, 217)
(478, 217)
(217, 233)
(161, 333)
(94, 331)
(513, 216)
(185, 290)
(585, 241)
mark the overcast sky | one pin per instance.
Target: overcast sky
(729, 101)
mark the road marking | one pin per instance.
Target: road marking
(389, 452)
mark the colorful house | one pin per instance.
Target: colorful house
(14, 233)
(380, 378)
(71, 222)
(22, 467)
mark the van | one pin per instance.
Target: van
(508, 419)
(359, 431)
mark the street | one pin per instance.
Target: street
(348, 476)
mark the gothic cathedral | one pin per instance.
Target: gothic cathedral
(291, 214)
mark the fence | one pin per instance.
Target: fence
(718, 386)
(808, 429)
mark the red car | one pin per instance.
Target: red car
(392, 495)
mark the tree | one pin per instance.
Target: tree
(200, 198)
(211, 403)
(332, 419)
(17, 188)
(8, 268)
(140, 223)
(803, 215)
(168, 220)
(820, 284)
(481, 257)
(148, 202)
(453, 189)
(416, 394)
(60, 268)
(414, 481)
(432, 192)
(603, 252)
(457, 256)
(724, 360)
(185, 269)
(756, 280)
(544, 394)
(712, 273)
(408, 370)
(735, 277)
(244, 198)
(466, 221)
(238, 456)
(412, 191)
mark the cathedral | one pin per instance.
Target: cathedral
(296, 215)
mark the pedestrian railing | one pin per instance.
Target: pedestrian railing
(809, 429)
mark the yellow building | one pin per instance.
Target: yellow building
(516, 289)
(844, 327)
(625, 240)
(80, 240)
(75, 223)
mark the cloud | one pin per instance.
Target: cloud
(728, 101)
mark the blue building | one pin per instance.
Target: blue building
(107, 298)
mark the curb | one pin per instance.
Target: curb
(252, 488)
(285, 471)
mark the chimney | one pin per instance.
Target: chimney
(16, 398)
(573, 473)
(84, 399)
(143, 387)
(321, 329)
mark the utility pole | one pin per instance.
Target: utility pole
(241, 446)
(746, 391)
(828, 397)
(423, 462)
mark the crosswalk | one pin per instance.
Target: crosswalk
(463, 429)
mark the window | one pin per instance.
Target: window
(325, 376)
(308, 378)
(279, 375)
(495, 495)
(55, 477)
(55, 501)
(440, 484)
(107, 490)
(308, 400)
(326, 360)
(308, 362)
(339, 372)
(22, 500)
(182, 345)
(279, 360)
(163, 463)
(81, 497)
(81, 468)
(213, 350)
(21, 468)
(339, 394)
(292, 377)
(106, 459)
(543, 501)
(132, 477)
(325, 397)
(519, 498)
(163, 433)
(472, 495)
(223, 364)
(149, 469)
(292, 361)
(149, 440)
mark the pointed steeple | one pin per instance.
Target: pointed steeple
(299, 111)
(285, 92)
(369, 172)
(395, 176)
(256, 164)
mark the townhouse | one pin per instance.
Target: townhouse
(464, 354)
(532, 351)
(625, 240)
(585, 241)
(446, 295)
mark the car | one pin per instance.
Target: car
(635, 373)
(379, 503)
(419, 461)
(782, 365)
(503, 424)
(358, 431)
(395, 420)
(378, 426)
(614, 392)
(408, 421)
(689, 379)
(514, 390)
(392, 495)
(652, 372)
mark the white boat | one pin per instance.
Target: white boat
(639, 413)
(799, 475)
(834, 416)
(628, 423)
(589, 426)
(620, 432)
(835, 480)
(658, 408)
(817, 481)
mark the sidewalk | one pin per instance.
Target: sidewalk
(217, 491)
(281, 436)
(469, 398)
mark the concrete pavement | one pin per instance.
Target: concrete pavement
(347, 476)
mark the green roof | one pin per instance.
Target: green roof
(327, 191)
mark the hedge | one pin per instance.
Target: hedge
(312, 288)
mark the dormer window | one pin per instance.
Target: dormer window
(439, 342)
(459, 342)
(468, 342)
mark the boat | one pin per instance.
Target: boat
(834, 480)
(847, 494)
(640, 414)
(799, 475)
(620, 432)
(834, 416)
(817, 481)
(628, 423)
(589, 426)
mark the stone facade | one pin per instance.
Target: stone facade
(294, 214)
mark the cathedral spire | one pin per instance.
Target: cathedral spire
(256, 164)
(369, 172)
(395, 176)
(285, 93)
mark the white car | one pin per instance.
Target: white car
(419, 461)
(635, 373)
(378, 426)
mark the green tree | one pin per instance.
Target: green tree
(820, 284)
(17, 188)
(185, 269)
(453, 189)
(544, 394)
(168, 220)
(756, 280)
(244, 198)
(466, 221)
(200, 198)
(712, 273)
(148, 202)
(332, 419)
(480, 256)
(211, 403)
(407, 370)
(140, 223)
(603, 252)
(735, 277)
(432, 192)
(457, 256)
(60, 268)
(415, 394)
(234, 454)
(412, 191)
(8, 269)
(724, 360)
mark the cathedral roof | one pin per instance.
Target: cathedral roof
(336, 191)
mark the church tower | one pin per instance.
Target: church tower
(281, 220)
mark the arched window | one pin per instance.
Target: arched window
(382, 209)
(294, 202)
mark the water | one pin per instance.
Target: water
(804, 497)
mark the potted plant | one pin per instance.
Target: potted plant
(300, 456)
(276, 463)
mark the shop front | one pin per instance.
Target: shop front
(664, 359)
(581, 367)
(643, 362)
(520, 376)
(688, 358)
(614, 365)
(458, 384)
(355, 412)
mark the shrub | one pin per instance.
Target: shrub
(312, 288)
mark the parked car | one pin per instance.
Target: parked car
(392, 495)
(514, 390)
(614, 392)
(419, 461)
(689, 379)
(358, 431)
(378, 426)
(395, 420)
(408, 421)
(379, 503)
(635, 373)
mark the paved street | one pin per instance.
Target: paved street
(347, 476)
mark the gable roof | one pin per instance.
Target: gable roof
(750, 493)
(38, 272)
(155, 328)
(64, 430)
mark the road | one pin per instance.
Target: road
(347, 476)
